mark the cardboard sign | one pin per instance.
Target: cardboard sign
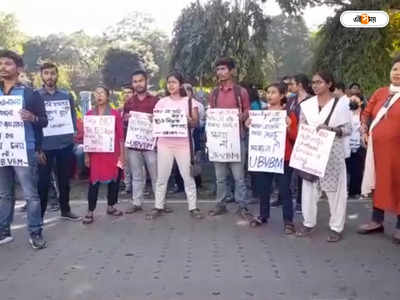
(12, 133)
(140, 131)
(60, 119)
(267, 141)
(169, 123)
(311, 150)
(98, 133)
(223, 135)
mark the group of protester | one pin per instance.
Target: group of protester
(369, 134)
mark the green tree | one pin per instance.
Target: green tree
(358, 54)
(10, 36)
(118, 67)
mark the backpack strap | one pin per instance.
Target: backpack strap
(330, 114)
(238, 96)
(190, 104)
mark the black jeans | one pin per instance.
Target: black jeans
(264, 185)
(378, 216)
(356, 170)
(112, 194)
(59, 159)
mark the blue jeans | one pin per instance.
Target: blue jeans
(238, 173)
(27, 177)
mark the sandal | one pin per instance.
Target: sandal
(88, 219)
(195, 213)
(289, 229)
(114, 212)
(154, 214)
(334, 237)
(257, 221)
(167, 210)
(396, 237)
(371, 227)
(305, 231)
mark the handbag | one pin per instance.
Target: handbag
(308, 176)
(195, 167)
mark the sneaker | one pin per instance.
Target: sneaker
(298, 209)
(37, 242)
(6, 237)
(70, 216)
(23, 208)
(133, 209)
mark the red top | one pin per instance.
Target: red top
(103, 165)
(227, 99)
(145, 106)
(291, 135)
(78, 139)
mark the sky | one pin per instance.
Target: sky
(53, 16)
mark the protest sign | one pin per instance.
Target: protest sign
(223, 136)
(267, 141)
(59, 116)
(98, 133)
(311, 150)
(140, 131)
(169, 123)
(12, 133)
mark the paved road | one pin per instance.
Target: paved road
(176, 257)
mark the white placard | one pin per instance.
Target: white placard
(12, 133)
(223, 135)
(311, 150)
(60, 119)
(267, 141)
(98, 133)
(140, 131)
(169, 123)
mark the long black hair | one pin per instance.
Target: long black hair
(328, 78)
(305, 82)
(181, 80)
(282, 88)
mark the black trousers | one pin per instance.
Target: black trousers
(264, 186)
(378, 216)
(356, 169)
(60, 160)
(112, 194)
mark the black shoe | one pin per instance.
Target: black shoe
(133, 209)
(276, 203)
(5, 237)
(37, 242)
(70, 216)
(258, 221)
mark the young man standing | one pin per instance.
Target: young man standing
(230, 95)
(34, 119)
(141, 101)
(57, 143)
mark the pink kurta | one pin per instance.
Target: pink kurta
(103, 166)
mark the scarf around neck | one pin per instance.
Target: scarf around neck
(394, 89)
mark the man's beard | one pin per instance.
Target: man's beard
(51, 83)
(141, 90)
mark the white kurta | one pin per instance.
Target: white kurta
(334, 183)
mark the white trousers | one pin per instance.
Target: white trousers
(311, 193)
(165, 160)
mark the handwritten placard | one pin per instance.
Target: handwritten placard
(98, 133)
(223, 136)
(267, 141)
(60, 119)
(311, 150)
(12, 133)
(169, 123)
(140, 131)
